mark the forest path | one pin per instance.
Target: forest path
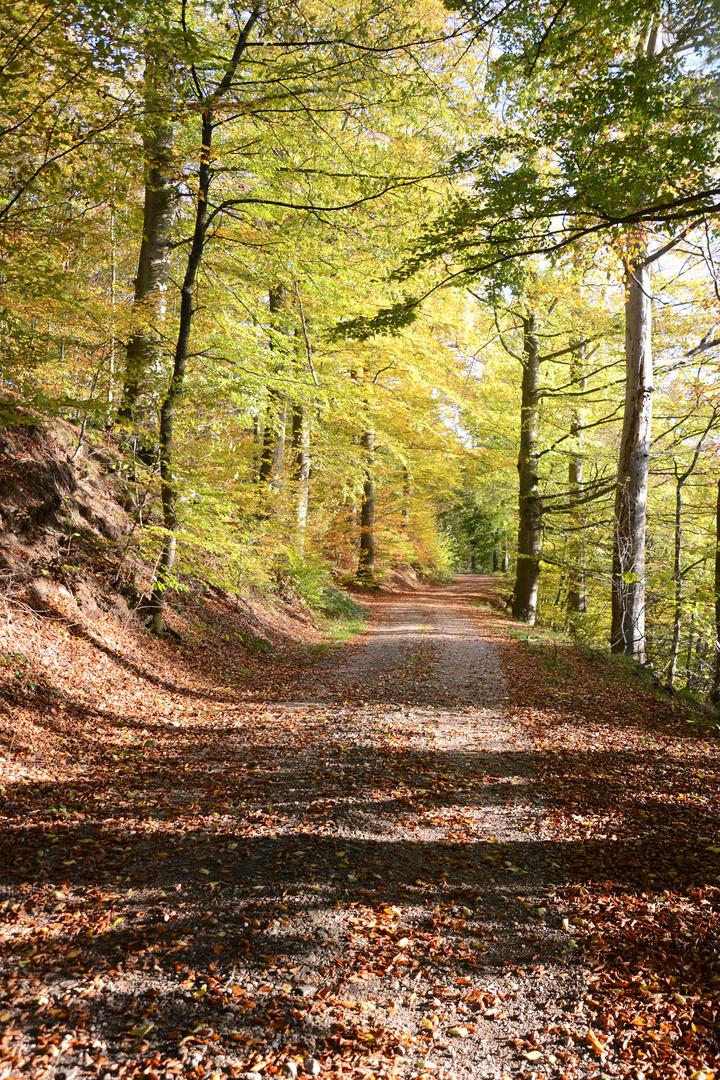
(371, 865)
(435, 806)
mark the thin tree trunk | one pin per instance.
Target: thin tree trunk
(678, 578)
(113, 299)
(496, 552)
(527, 573)
(273, 448)
(366, 560)
(715, 693)
(301, 468)
(168, 489)
(143, 365)
(257, 437)
(680, 480)
(406, 499)
(505, 555)
(688, 654)
(628, 573)
(577, 597)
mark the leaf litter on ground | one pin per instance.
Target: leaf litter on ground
(428, 854)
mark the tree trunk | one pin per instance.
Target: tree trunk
(505, 556)
(678, 577)
(577, 597)
(301, 468)
(113, 305)
(689, 652)
(406, 499)
(628, 573)
(527, 573)
(715, 693)
(273, 448)
(496, 553)
(168, 490)
(143, 365)
(167, 412)
(366, 560)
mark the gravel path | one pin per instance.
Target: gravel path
(429, 797)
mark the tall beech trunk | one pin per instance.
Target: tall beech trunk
(301, 468)
(577, 596)
(366, 559)
(715, 693)
(168, 490)
(505, 555)
(143, 364)
(496, 553)
(527, 573)
(628, 572)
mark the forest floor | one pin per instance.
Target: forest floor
(446, 849)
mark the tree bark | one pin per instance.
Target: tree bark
(168, 491)
(143, 364)
(273, 447)
(406, 499)
(678, 578)
(577, 596)
(301, 468)
(680, 480)
(527, 573)
(628, 572)
(366, 560)
(715, 693)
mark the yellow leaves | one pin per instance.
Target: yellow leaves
(596, 1042)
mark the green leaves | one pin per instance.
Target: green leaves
(390, 320)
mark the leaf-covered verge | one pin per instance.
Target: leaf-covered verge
(631, 782)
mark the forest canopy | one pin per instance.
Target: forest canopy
(357, 287)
